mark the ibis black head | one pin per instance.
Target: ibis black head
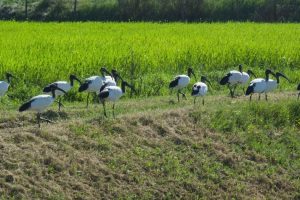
(72, 78)
(204, 80)
(241, 68)
(250, 72)
(190, 72)
(279, 74)
(268, 72)
(9, 76)
(103, 70)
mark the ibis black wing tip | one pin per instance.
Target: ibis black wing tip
(225, 80)
(83, 87)
(249, 90)
(174, 83)
(25, 106)
(103, 94)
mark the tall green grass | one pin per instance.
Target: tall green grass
(148, 54)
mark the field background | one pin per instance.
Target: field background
(148, 55)
(227, 149)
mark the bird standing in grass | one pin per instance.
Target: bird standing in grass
(298, 88)
(94, 83)
(264, 85)
(40, 103)
(200, 89)
(63, 85)
(5, 85)
(232, 79)
(180, 82)
(113, 94)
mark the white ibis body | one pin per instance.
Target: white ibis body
(200, 89)
(261, 85)
(180, 82)
(232, 79)
(64, 85)
(40, 103)
(4, 85)
(112, 94)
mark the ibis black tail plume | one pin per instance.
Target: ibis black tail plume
(84, 86)
(250, 90)
(174, 83)
(225, 79)
(25, 106)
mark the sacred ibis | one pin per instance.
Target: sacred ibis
(4, 85)
(180, 82)
(63, 85)
(41, 102)
(94, 83)
(113, 94)
(264, 85)
(298, 88)
(232, 79)
(200, 89)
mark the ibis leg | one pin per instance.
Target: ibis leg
(96, 99)
(259, 96)
(298, 96)
(38, 117)
(203, 101)
(183, 95)
(178, 95)
(250, 97)
(104, 110)
(113, 110)
(87, 100)
(266, 96)
(194, 100)
(230, 90)
(60, 104)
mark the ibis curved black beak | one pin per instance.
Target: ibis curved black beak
(57, 88)
(116, 75)
(250, 72)
(130, 86)
(54, 87)
(103, 70)
(279, 74)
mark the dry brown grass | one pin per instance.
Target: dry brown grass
(163, 154)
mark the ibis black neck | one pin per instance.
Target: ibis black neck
(123, 87)
(53, 93)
